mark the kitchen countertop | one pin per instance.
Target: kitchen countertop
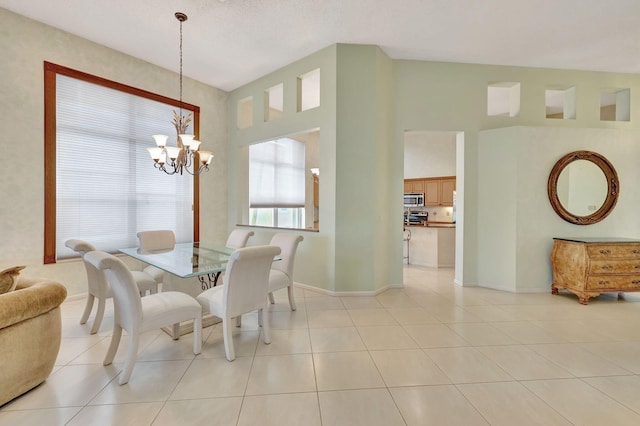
(433, 225)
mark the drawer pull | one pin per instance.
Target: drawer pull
(637, 267)
(605, 251)
(636, 251)
(635, 282)
(603, 282)
(609, 267)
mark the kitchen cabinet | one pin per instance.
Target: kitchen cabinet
(414, 185)
(437, 191)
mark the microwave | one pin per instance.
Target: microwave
(414, 199)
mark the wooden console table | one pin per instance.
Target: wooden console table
(588, 267)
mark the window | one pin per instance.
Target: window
(277, 183)
(100, 183)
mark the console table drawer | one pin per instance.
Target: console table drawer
(616, 282)
(612, 251)
(614, 267)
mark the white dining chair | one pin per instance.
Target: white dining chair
(163, 239)
(244, 290)
(281, 274)
(99, 288)
(137, 314)
(238, 238)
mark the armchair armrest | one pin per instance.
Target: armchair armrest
(32, 297)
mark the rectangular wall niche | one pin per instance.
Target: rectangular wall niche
(273, 102)
(309, 90)
(503, 98)
(560, 103)
(245, 113)
(615, 105)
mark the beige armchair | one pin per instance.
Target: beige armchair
(30, 332)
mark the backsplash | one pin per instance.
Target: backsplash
(436, 214)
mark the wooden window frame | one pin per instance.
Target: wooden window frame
(50, 72)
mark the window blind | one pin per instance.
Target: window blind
(106, 186)
(276, 174)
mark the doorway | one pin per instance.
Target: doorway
(437, 154)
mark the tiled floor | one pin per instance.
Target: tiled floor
(430, 354)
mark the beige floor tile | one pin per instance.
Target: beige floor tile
(435, 336)
(281, 374)
(467, 365)
(200, 412)
(211, 378)
(435, 405)
(481, 334)
(346, 370)
(577, 360)
(72, 385)
(288, 319)
(582, 404)
(386, 337)
(96, 353)
(122, 414)
(452, 313)
(510, 403)
(624, 354)
(573, 331)
(396, 299)
(624, 389)
(528, 333)
(335, 339)
(295, 341)
(413, 316)
(150, 381)
(73, 347)
(38, 417)
(329, 318)
(355, 302)
(408, 367)
(523, 363)
(244, 343)
(371, 317)
(491, 313)
(281, 410)
(323, 303)
(368, 407)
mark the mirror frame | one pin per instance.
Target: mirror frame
(613, 187)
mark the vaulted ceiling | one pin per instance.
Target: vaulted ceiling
(228, 43)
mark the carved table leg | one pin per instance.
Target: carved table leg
(554, 290)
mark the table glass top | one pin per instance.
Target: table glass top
(185, 259)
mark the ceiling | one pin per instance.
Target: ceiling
(228, 43)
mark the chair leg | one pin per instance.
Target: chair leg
(239, 321)
(271, 298)
(175, 331)
(292, 299)
(227, 334)
(99, 315)
(197, 334)
(266, 330)
(87, 309)
(130, 362)
(113, 347)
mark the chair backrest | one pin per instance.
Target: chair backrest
(246, 279)
(96, 280)
(288, 244)
(157, 240)
(126, 296)
(238, 238)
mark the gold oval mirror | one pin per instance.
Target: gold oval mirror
(583, 187)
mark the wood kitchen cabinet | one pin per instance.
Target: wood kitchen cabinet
(414, 185)
(437, 191)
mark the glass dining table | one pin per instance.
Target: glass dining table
(187, 260)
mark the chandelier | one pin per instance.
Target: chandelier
(185, 155)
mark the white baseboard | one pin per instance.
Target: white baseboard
(343, 293)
